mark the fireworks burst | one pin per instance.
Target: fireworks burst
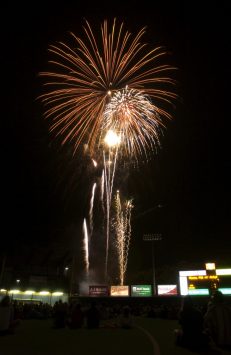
(132, 114)
(109, 85)
(87, 76)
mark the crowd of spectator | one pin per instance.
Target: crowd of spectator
(200, 325)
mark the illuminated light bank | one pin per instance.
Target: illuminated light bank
(29, 292)
(14, 292)
(210, 266)
(195, 282)
(31, 295)
(57, 294)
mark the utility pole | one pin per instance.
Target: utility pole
(153, 237)
(2, 269)
(73, 278)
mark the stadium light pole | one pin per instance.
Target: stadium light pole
(153, 269)
(153, 238)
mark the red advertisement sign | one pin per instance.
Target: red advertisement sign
(98, 291)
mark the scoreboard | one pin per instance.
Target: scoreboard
(198, 282)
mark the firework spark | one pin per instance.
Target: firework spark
(88, 75)
(86, 246)
(94, 163)
(123, 233)
(91, 208)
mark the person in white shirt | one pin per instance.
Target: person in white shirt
(6, 315)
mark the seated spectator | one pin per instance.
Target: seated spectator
(93, 318)
(76, 317)
(125, 318)
(191, 333)
(217, 321)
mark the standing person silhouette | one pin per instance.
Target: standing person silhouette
(217, 321)
(191, 321)
(7, 322)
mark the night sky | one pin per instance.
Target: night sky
(45, 192)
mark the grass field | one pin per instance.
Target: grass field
(37, 337)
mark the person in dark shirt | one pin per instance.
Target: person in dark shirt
(76, 317)
(191, 334)
(93, 318)
(125, 318)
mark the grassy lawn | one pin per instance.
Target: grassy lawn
(34, 337)
(162, 331)
(37, 337)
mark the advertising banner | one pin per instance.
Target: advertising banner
(141, 290)
(119, 291)
(98, 291)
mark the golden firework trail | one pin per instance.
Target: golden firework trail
(86, 246)
(91, 208)
(110, 160)
(123, 233)
(86, 76)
